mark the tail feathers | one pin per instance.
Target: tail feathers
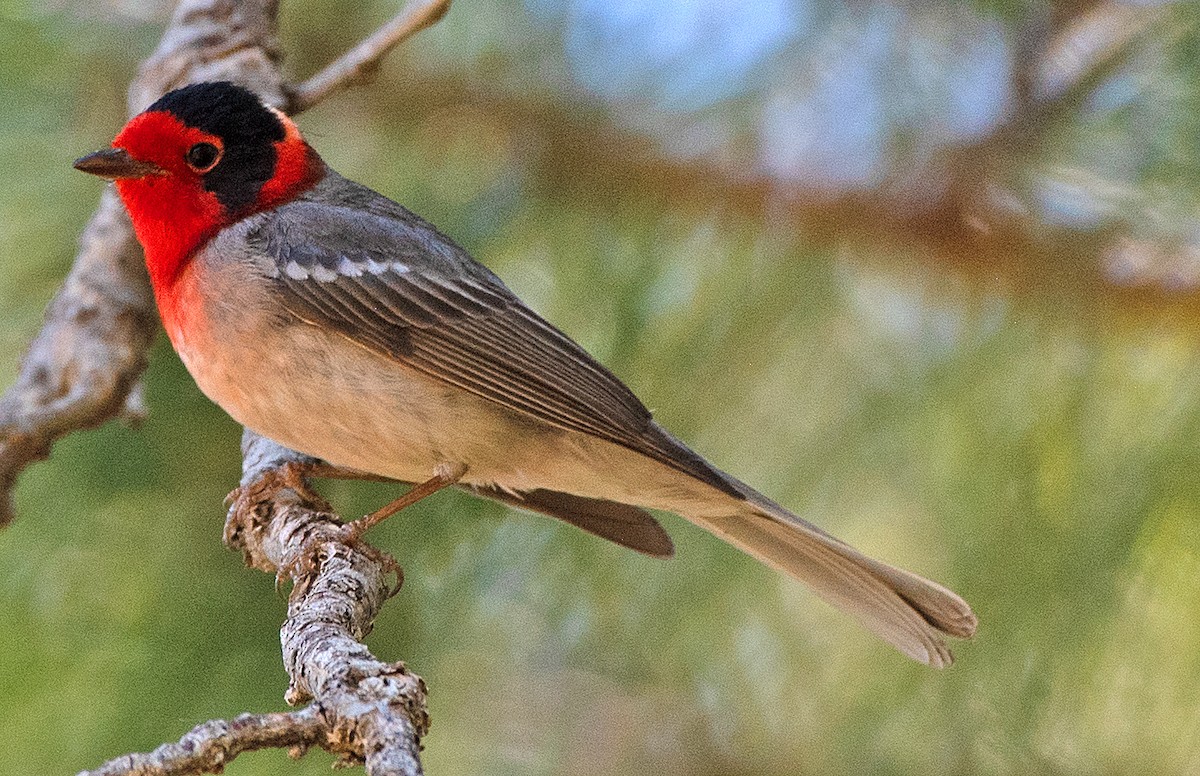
(909, 612)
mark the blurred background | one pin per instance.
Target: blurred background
(926, 272)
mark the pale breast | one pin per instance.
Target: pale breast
(321, 394)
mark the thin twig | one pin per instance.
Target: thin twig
(360, 63)
(209, 747)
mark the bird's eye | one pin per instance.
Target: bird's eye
(202, 157)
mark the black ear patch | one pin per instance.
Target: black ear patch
(247, 128)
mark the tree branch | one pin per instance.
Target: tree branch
(84, 368)
(363, 709)
(375, 710)
(209, 747)
(361, 62)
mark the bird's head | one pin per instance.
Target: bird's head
(199, 159)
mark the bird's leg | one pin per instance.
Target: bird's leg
(350, 534)
(444, 475)
(245, 500)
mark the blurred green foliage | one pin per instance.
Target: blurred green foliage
(996, 415)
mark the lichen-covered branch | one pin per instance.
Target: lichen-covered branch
(376, 710)
(84, 368)
(362, 709)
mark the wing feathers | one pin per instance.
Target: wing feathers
(396, 286)
(379, 275)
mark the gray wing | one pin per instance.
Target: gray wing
(348, 259)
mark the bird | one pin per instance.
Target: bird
(334, 321)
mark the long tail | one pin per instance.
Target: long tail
(909, 612)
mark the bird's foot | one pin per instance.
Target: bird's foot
(249, 505)
(444, 475)
(309, 559)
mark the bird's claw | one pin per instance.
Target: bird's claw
(249, 504)
(294, 476)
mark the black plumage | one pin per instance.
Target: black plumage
(248, 129)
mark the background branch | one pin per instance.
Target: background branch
(84, 367)
(361, 62)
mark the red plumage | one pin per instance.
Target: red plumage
(174, 215)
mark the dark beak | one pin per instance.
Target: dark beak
(114, 163)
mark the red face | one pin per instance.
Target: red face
(199, 159)
(172, 211)
(159, 137)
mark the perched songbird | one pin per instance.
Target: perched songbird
(332, 320)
